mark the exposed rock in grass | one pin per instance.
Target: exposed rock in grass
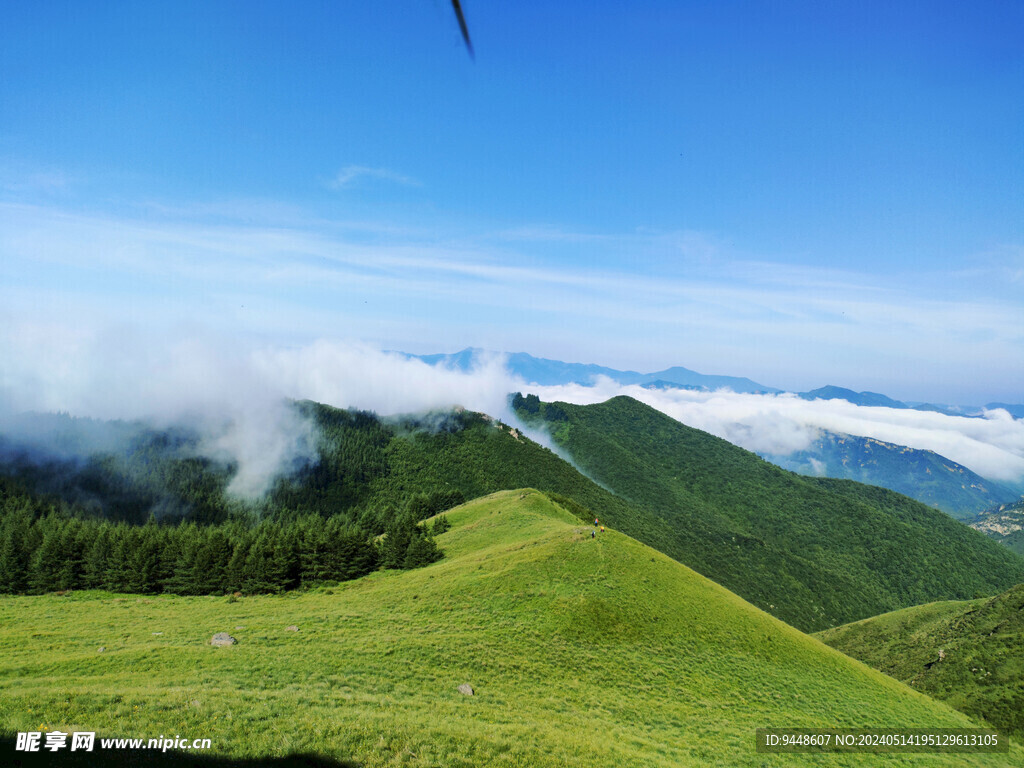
(221, 639)
(466, 689)
(292, 628)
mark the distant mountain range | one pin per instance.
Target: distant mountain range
(923, 475)
(544, 372)
(857, 398)
(1017, 411)
(875, 399)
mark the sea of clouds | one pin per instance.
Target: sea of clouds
(237, 396)
(992, 446)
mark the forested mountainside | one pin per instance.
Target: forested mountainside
(814, 553)
(810, 550)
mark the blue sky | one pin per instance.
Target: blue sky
(799, 192)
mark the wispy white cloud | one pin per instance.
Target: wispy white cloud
(784, 325)
(350, 174)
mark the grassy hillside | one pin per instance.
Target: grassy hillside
(581, 652)
(371, 476)
(969, 654)
(815, 553)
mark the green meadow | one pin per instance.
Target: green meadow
(581, 652)
(969, 653)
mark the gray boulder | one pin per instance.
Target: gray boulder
(222, 638)
(466, 689)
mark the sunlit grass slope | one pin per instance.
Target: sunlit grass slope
(581, 651)
(812, 551)
(981, 670)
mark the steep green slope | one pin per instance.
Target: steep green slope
(581, 652)
(815, 553)
(923, 475)
(969, 654)
(366, 468)
(370, 467)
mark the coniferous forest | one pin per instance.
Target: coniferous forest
(48, 546)
(152, 516)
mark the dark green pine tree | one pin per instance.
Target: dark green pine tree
(316, 550)
(366, 557)
(72, 546)
(14, 556)
(352, 552)
(396, 543)
(422, 551)
(97, 555)
(210, 566)
(13, 564)
(45, 564)
(183, 581)
(234, 576)
(286, 566)
(258, 576)
(118, 573)
(418, 507)
(144, 561)
(170, 553)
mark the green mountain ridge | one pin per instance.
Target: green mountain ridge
(810, 551)
(969, 654)
(814, 553)
(581, 651)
